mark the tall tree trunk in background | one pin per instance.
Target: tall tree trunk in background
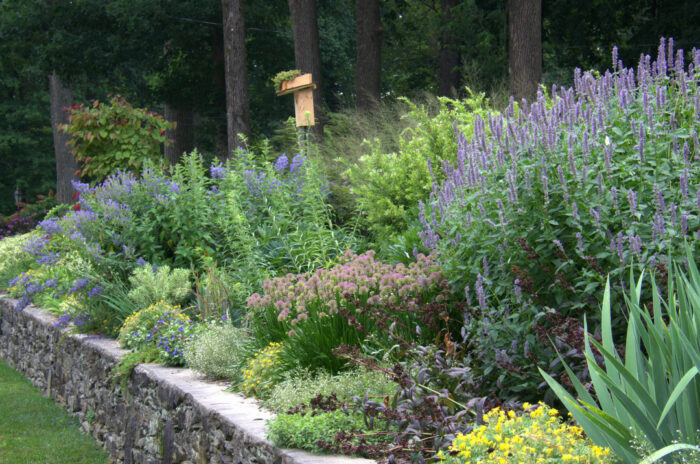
(219, 65)
(66, 166)
(181, 136)
(448, 78)
(368, 64)
(524, 47)
(237, 105)
(307, 54)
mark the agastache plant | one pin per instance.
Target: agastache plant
(627, 132)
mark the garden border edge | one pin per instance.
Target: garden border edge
(170, 415)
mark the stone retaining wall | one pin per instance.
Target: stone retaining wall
(168, 415)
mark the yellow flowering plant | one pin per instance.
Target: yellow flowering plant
(537, 434)
(262, 372)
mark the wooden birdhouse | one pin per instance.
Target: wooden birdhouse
(303, 89)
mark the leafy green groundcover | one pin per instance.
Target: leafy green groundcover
(34, 430)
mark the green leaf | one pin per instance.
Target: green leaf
(659, 454)
(677, 392)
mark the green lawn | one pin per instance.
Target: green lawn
(35, 430)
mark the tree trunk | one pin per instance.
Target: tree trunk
(237, 105)
(181, 136)
(66, 166)
(524, 47)
(368, 64)
(448, 79)
(307, 54)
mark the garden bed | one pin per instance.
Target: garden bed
(166, 415)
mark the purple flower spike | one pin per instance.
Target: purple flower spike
(281, 163)
(660, 202)
(480, 292)
(642, 142)
(632, 199)
(579, 242)
(684, 184)
(217, 172)
(659, 228)
(619, 245)
(297, 163)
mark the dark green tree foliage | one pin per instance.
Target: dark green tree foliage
(634, 26)
(155, 52)
(26, 155)
(270, 49)
(336, 28)
(414, 31)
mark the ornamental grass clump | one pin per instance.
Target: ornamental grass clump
(360, 300)
(535, 435)
(219, 351)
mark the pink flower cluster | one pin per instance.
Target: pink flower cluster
(356, 278)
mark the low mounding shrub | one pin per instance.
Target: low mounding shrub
(359, 300)
(52, 275)
(150, 285)
(138, 329)
(16, 224)
(219, 351)
(303, 386)
(652, 396)
(160, 332)
(318, 432)
(26, 219)
(107, 137)
(388, 186)
(536, 434)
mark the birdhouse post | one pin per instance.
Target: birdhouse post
(302, 87)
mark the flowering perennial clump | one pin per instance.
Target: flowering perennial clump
(547, 198)
(262, 371)
(534, 435)
(357, 277)
(358, 301)
(138, 329)
(161, 325)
